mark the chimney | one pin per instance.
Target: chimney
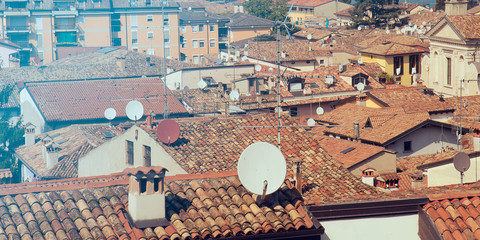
(297, 163)
(29, 134)
(476, 139)
(51, 154)
(417, 181)
(368, 176)
(284, 54)
(149, 121)
(456, 7)
(121, 63)
(146, 188)
(362, 100)
(356, 129)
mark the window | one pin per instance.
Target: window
(38, 23)
(134, 36)
(81, 36)
(202, 43)
(156, 184)
(133, 20)
(150, 35)
(183, 28)
(195, 43)
(195, 59)
(202, 59)
(398, 64)
(166, 36)
(449, 71)
(147, 156)
(212, 42)
(184, 43)
(211, 27)
(143, 185)
(149, 18)
(293, 111)
(194, 28)
(166, 20)
(81, 19)
(200, 27)
(39, 40)
(130, 152)
(151, 51)
(407, 146)
(414, 62)
(322, 61)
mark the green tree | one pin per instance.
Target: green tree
(11, 136)
(268, 9)
(373, 12)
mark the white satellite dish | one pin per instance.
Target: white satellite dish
(402, 30)
(234, 95)
(329, 80)
(134, 110)
(311, 122)
(387, 31)
(359, 28)
(258, 68)
(419, 31)
(270, 69)
(202, 84)
(309, 36)
(320, 111)
(424, 23)
(409, 23)
(398, 32)
(262, 168)
(110, 113)
(415, 26)
(360, 60)
(360, 86)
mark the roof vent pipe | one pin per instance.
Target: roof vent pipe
(356, 129)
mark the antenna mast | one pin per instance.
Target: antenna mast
(164, 65)
(278, 85)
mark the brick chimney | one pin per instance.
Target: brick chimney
(29, 134)
(361, 100)
(146, 196)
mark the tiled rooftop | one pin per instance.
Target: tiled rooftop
(74, 141)
(345, 12)
(215, 144)
(202, 16)
(413, 163)
(359, 153)
(383, 38)
(474, 10)
(316, 33)
(467, 25)
(428, 17)
(390, 49)
(246, 20)
(310, 3)
(78, 100)
(197, 207)
(387, 123)
(296, 51)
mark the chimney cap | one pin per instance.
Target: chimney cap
(145, 170)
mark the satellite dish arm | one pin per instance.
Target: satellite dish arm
(265, 185)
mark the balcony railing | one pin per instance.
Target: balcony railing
(21, 43)
(18, 28)
(72, 27)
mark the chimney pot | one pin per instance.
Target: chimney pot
(356, 129)
(29, 134)
(298, 174)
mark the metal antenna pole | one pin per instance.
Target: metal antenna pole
(164, 65)
(278, 84)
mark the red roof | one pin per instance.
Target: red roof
(309, 3)
(467, 25)
(79, 100)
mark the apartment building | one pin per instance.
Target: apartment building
(201, 34)
(39, 27)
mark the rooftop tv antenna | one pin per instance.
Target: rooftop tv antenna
(164, 64)
(262, 168)
(461, 161)
(168, 131)
(279, 24)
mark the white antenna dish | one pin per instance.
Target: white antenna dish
(424, 23)
(134, 110)
(329, 80)
(311, 122)
(258, 68)
(398, 32)
(320, 111)
(359, 28)
(270, 69)
(409, 23)
(309, 36)
(360, 60)
(262, 168)
(110, 113)
(415, 26)
(419, 31)
(402, 30)
(234, 95)
(387, 31)
(360, 86)
(202, 84)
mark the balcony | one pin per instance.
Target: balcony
(25, 45)
(18, 29)
(66, 28)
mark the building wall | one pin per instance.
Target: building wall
(387, 65)
(111, 157)
(384, 162)
(96, 29)
(328, 9)
(237, 34)
(339, 58)
(30, 113)
(447, 174)
(190, 78)
(43, 38)
(5, 56)
(195, 53)
(426, 140)
(392, 227)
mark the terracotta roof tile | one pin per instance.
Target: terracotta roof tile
(311, 3)
(390, 49)
(296, 51)
(474, 10)
(467, 25)
(80, 100)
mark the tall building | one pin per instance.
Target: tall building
(39, 27)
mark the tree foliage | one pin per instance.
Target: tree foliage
(268, 9)
(11, 136)
(374, 13)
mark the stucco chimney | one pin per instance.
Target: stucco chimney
(146, 188)
(368, 176)
(356, 129)
(456, 7)
(51, 154)
(476, 139)
(29, 134)
(297, 163)
(417, 181)
(362, 100)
